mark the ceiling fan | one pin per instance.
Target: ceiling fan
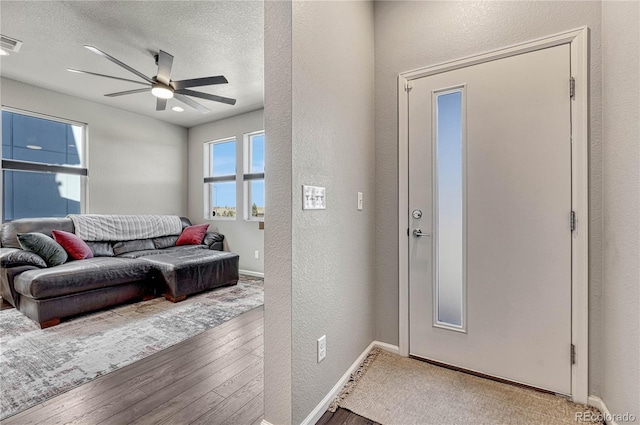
(161, 86)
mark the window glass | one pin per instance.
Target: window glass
(256, 199)
(223, 158)
(223, 199)
(450, 226)
(257, 153)
(220, 179)
(39, 143)
(254, 176)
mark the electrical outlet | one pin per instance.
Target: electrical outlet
(322, 348)
(257, 254)
(360, 201)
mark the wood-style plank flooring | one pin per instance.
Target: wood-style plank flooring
(344, 417)
(213, 378)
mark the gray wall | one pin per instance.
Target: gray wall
(411, 35)
(319, 120)
(277, 237)
(621, 199)
(137, 165)
(333, 146)
(242, 237)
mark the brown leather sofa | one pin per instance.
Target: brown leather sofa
(119, 272)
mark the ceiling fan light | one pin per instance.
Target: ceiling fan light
(161, 91)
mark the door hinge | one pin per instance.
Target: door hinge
(573, 354)
(408, 85)
(572, 88)
(573, 221)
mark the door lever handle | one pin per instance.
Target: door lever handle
(418, 233)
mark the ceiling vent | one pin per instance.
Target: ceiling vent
(9, 44)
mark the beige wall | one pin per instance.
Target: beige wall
(137, 165)
(411, 35)
(333, 146)
(242, 237)
(620, 343)
(278, 116)
(319, 101)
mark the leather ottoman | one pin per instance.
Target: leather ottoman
(188, 272)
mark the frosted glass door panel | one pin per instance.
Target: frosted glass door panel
(449, 210)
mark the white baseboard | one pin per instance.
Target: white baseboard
(599, 404)
(250, 273)
(265, 423)
(317, 413)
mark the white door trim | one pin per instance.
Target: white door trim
(579, 41)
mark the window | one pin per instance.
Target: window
(43, 166)
(449, 162)
(220, 179)
(254, 176)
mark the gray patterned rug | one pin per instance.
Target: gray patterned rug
(37, 364)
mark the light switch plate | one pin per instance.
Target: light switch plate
(313, 198)
(360, 201)
(322, 348)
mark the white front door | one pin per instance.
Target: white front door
(489, 205)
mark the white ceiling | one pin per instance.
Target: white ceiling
(205, 37)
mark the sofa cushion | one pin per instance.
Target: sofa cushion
(51, 251)
(146, 252)
(136, 245)
(80, 276)
(165, 242)
(213, 240)
(101, 249)
(75, 247)
(192, 235)
(11, 257)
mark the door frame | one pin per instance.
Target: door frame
(579, 44)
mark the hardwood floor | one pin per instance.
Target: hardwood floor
(213, 378)
(344, 417)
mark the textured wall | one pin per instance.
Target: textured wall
(333, 146)
(277, 237)
(411, 35)
(243, 237)
(621, 200)
(137, 165)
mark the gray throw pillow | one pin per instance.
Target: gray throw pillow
(48, 249)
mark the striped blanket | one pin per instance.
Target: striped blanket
(103, 227)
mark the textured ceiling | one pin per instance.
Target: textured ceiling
(205, 37)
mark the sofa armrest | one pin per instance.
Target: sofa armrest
(214, 240)
(10, 257)
(14, 261)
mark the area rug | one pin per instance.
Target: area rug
(37, 364)
(395, 390)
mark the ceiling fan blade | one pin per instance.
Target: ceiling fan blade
(195, 105)
(161, 104)
(106, 76)
(207, 96)
(121, 64)
(165, 61)
(199, 82)
(122, 93)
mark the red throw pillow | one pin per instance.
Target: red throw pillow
(75, 247)
(192, 235)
